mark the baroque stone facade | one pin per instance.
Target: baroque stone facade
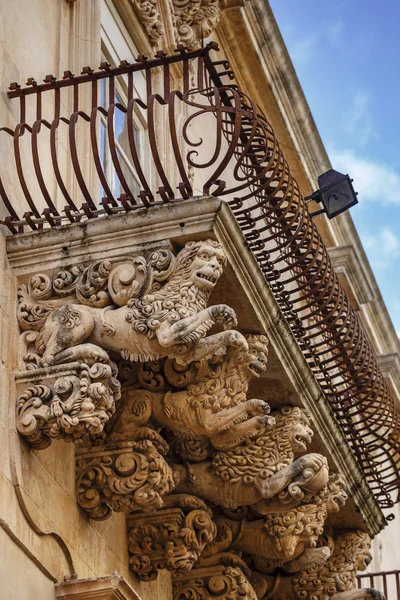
(117, 357)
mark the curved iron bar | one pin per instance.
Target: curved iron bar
(247, 167)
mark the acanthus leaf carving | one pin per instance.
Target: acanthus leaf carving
(194, 20)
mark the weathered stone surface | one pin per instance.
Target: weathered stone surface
(222, 582)
(168, 539)
(67, 401)
(122, 477)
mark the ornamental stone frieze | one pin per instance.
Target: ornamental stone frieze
(128, 476)
(68, 401)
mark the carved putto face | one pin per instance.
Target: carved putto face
(207, 266)
(257, 355)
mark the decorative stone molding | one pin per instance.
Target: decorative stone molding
(148, 14)
(122, 477)
(68, 401)
(194, 20)
(346, 262)
(168, 539)
(109, 587)
(222, 582)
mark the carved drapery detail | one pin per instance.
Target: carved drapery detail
(168, 539)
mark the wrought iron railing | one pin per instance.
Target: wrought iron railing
(387, 582)
(246, 166)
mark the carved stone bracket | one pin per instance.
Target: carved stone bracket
(68, 401)
(124, 477)
(167, 539)
(222, 582)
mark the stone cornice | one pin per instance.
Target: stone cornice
(109, 587)
(346, 260)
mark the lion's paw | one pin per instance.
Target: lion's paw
(222, 313)
(236, 339)
(312, 461)
(258, 407)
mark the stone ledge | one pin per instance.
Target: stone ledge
(109, 587)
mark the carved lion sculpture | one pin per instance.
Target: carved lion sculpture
(331, 579)
(336, 580)
(261, 470)
(214, 404)
(151, 323)
(280, 538)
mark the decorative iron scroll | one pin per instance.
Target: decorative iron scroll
(248, 168)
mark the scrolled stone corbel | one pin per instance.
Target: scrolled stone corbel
(125, 476)
(70, 402)
(222, 582)
(168, 539)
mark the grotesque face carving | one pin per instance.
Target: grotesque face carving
(300, 436)
(207, 266)
(257, 355)
(362, 550)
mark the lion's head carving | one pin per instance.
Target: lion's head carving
(350, 554)
(269, 451)
(198, 267)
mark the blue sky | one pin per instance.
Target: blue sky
(347, 56)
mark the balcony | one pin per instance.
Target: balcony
(57, 153)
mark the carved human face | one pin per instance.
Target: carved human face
(207, 267)
(257, 356)
(300, 437)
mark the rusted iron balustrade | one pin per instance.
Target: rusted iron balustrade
(384, 581)
(247, 167)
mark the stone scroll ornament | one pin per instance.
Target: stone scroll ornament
(171, 539)
(124, 477)
(67, 402)
(141, 307)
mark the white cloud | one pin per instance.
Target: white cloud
(304, 49)
(358, 120)
(334, 31)
(374, 181)
(382, 248)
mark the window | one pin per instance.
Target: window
(117, 45)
